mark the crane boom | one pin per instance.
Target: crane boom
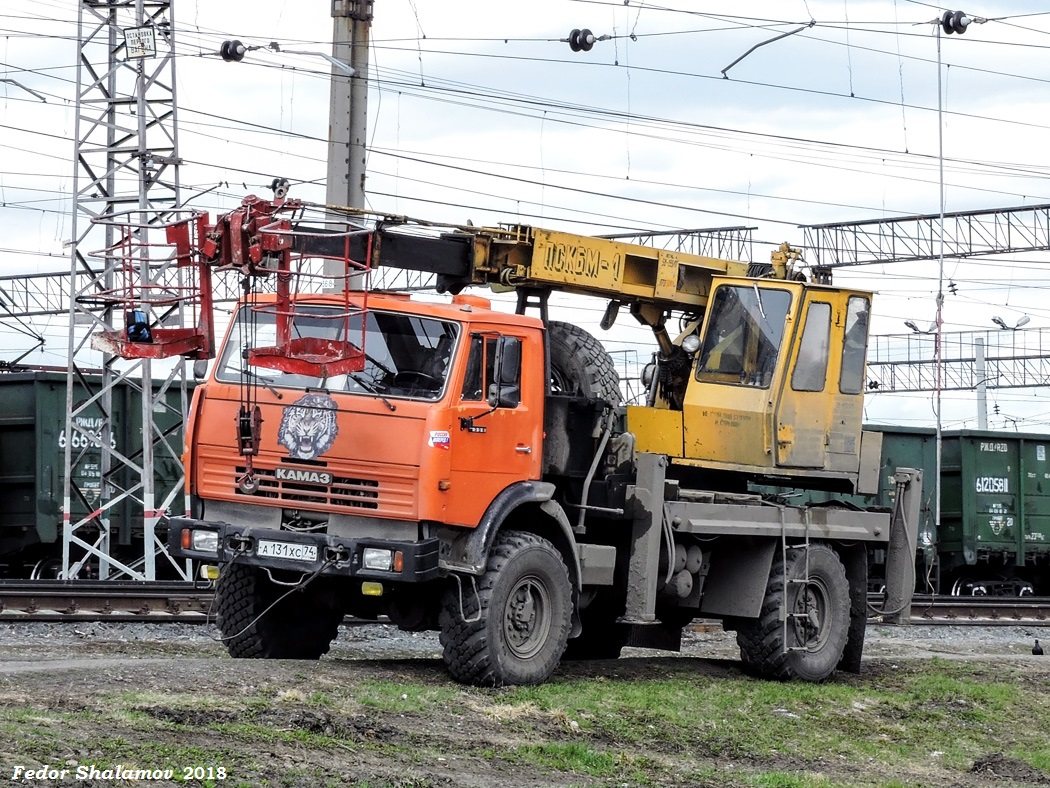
(522, 256)
(534, 257)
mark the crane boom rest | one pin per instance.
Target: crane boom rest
(458, 468)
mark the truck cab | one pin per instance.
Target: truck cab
(423, 434)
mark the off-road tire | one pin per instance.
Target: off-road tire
(300, 626)
(519, 632)
(763, 648)
(580, 364)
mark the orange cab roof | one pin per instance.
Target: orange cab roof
(468, 310)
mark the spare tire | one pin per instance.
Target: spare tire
(580, 364)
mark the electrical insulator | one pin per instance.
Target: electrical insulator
(581, 40)
(232, 51)
(955, 22)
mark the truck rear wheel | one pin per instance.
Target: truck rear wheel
(580, 363)
(811, 644)
(300, 626)
(514, 627)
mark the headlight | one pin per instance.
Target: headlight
(206, 541)
(377, 558)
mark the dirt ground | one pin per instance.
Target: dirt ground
(75, 696)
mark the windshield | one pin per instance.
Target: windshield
(744, 336)
(405, 355)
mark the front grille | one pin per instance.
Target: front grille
(378, 489)
(343, 491)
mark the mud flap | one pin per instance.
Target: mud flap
(736, 584)
(855, 562)
(900, 552)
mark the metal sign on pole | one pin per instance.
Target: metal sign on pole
(140, 42)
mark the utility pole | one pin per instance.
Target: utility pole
(950, 22)
(348, 113)
(981, 373)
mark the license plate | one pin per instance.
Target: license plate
(290, 550)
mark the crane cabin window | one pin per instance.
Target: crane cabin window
(744, 335)
(811, 364)
(855, 346)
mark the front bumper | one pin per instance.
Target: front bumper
(336, 556)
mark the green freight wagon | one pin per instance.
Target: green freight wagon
(32, 467)
(994, 536)
(995, 513)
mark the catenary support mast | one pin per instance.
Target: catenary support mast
(126, 188)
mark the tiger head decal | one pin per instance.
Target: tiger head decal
(308, 427)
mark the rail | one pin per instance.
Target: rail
(93, 600)
(122, 601)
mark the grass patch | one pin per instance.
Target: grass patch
(400, 697)
(655, 724)
(956, 711)
(790, 780)
(573, 757)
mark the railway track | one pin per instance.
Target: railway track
(91, 600)
(976, 610)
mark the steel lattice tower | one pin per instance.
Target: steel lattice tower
(126, 188)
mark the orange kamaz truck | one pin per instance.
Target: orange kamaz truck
(458, 468)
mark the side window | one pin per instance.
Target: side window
(480, 379)
(855, 346)
(811, 364)
(481, 366)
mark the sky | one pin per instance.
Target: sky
(481, 112)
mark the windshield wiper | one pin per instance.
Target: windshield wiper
(264, 381)
(367, 385)
(371, 389)
(758, 297)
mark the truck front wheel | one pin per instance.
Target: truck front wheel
(810, 645)
(512, 626)
(255, 625)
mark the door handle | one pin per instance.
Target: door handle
(523, 449)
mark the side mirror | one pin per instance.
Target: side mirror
(200, 370)
(505, 390)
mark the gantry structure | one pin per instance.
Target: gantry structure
(969, 359)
